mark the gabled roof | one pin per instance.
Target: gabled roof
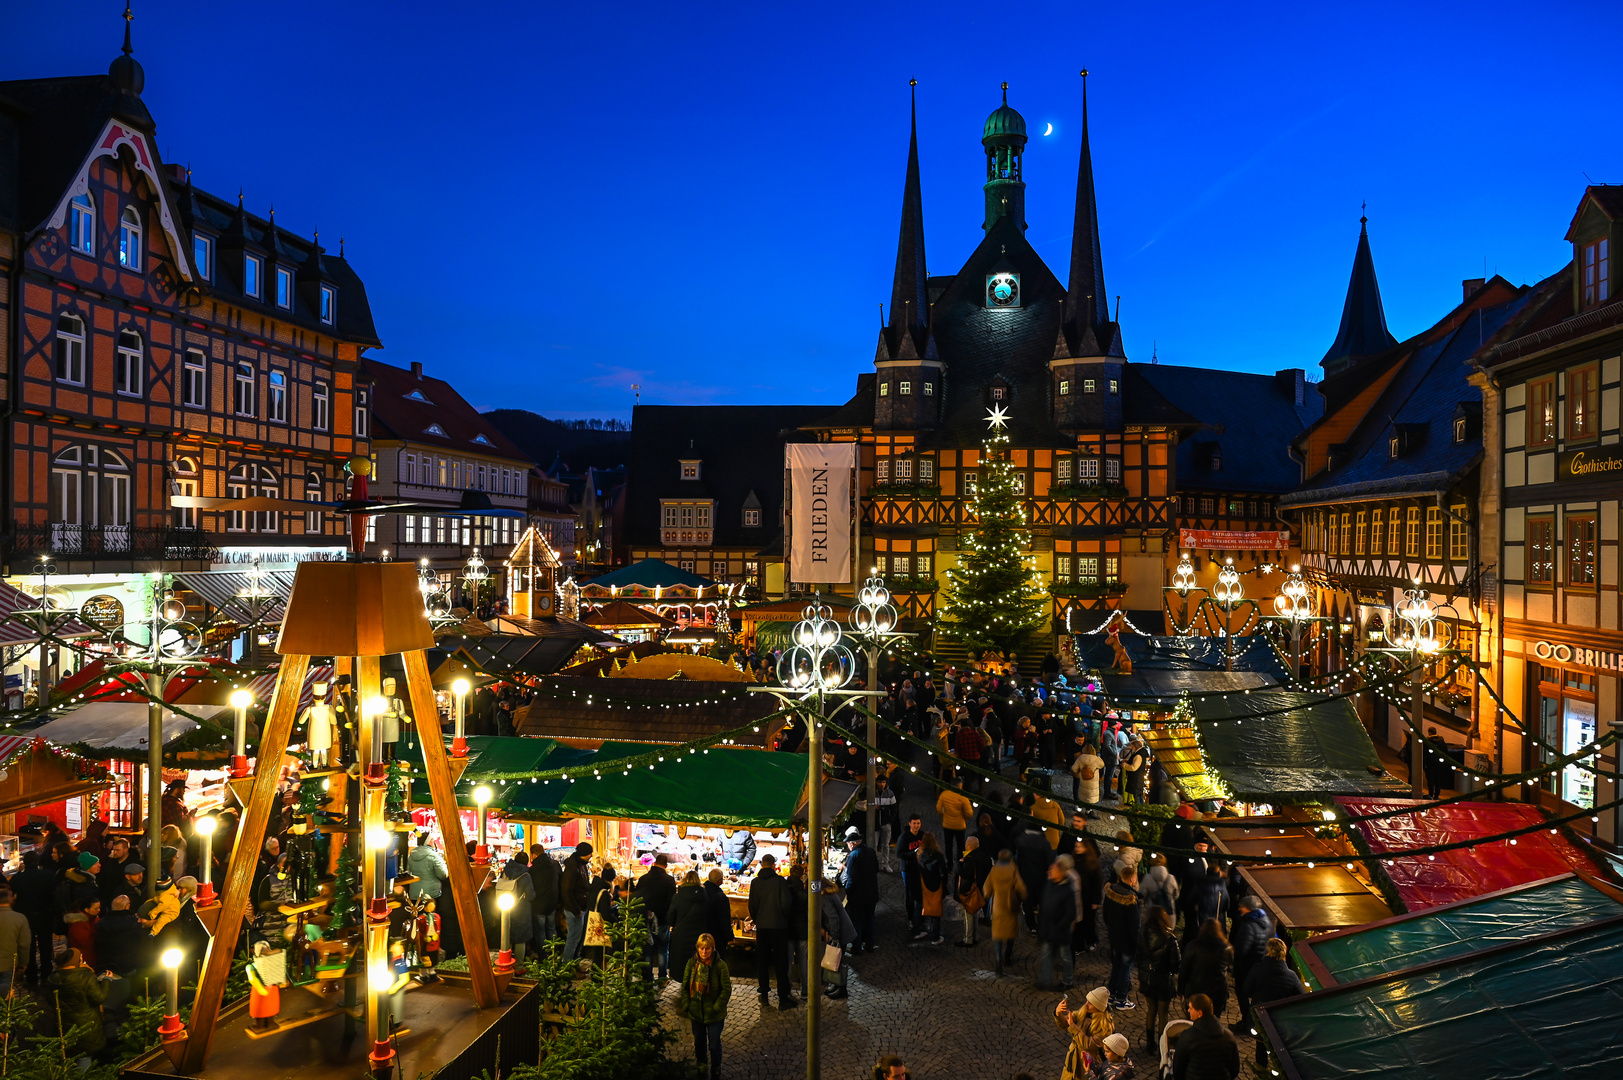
(1608, 198)
(1363, 329)
(740, 449)
(1252, 417)
(398, 414)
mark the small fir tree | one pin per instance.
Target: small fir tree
(994, 599)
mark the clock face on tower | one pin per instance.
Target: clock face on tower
(1003, 290)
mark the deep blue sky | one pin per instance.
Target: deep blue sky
(549, 202)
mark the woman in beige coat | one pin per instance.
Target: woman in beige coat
(1006, 890)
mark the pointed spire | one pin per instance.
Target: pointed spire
(909, 293)
(314, 267)
(129, 17)
(1363, 329)
(125, 71)
(1086, 305)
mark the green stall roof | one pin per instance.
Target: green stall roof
(1312, 749)
(493, 759)
(1543, 1010)
(1457, 930)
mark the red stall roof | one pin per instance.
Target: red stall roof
(1457, 875)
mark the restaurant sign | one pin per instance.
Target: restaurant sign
(1590, 463)
(1233, 540)
(1562, 653)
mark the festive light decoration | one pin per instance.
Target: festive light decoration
(994, 596)
(818, 661)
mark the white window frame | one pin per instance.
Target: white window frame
(1062, 470)
(904, 469)
(905, 387)
(129, 239)
(926, 470)
(1113, 470)
(321, 407)
(194, 380)
(1019, 483)
(363, 414)
(690, 469)
(129, 364)
(881, 470)
(1087, 468)
(752, 517)
(1065, 388)
(253, 276)
(884, 389)
(284, 288)
(70, 350)
(203, 256)
(243, 390)
(929, 389)
(82, 224)
(1089, 386)
(276, 397)
(1115, 386)
(329, 305)
(312, 493)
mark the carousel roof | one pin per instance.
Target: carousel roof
(647, 577)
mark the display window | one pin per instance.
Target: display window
(1565, 704)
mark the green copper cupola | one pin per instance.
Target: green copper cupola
(1004, 138)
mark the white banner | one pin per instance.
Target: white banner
(820, 510)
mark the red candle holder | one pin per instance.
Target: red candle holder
(171, 1028)
(459, 747)
(505, 962)
(239, 767)
(381, 1057)
(206, 895)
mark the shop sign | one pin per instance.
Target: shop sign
(1562, 653)
(1234, 540)
(1371, 597)
(1590, 463)
(105, 613)
(279, 556)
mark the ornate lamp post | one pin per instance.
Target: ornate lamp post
(1228, 593)
(254, 594)
(873, 621)
(1418, 634)
(1184, 583)
(474, 576)
(1295, 603)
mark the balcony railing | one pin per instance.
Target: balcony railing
(113, 542)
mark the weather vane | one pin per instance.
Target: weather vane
(997, 417)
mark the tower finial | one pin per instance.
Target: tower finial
(340, 247)
(1363, 211)
(1005, 93)
(129, 17)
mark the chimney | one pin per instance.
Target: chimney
(177, 172)
(416, 369)
(1471, 285)
(1292, 382)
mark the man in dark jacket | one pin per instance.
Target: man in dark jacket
(770, 901)
(860, 880)
(547, 879)
(35, 889)
(718, 911)
(907, 852)
(1270, 979)
(657, 889)
(1252, 931)
(1055, 918)
(1032, 857)
(687, 920)
(1205, 1051)
(574, 896)
(1121, 911)
(123, 945)
(111, 876)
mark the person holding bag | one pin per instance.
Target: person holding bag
(707, 987)
(933, 886)
(838, 933)
(599, 915)
(971, 896)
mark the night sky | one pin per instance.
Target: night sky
(549, 202)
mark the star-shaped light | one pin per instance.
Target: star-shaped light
(997, 417)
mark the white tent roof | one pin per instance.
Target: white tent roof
(119, 725)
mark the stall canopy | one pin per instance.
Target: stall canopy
(1305, 898)
(116, 725)
(1423, 882)
(1540, 1010)
(223, 591)
(1313, 749)
(1175, 747)
(517, 654)
(18, 629)
(1457, 930)
(1165, 667)
(649, 578)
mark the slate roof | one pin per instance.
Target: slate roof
(1363, 329)
(1422, 401)
(47, 128)
(399, 416)
(740, 448)
(1252, 418)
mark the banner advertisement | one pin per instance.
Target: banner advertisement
(1226, 540)
(820, 510)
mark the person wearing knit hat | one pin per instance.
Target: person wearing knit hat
(78, 995)
(1114, 1065)
(1088, 1029)
(88, 862)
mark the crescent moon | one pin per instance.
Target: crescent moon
(1050, 130)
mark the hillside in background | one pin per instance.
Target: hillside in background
(581, 444)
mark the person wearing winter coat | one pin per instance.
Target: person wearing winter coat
(546, 877)
(860, 880)
(78, 884)
(770, 902)
(656, 889)
(1134, 760)
(687, 920)
(1033, 856)
(1088, 1029)
(76, 994)
(516, 880)
(969, 887)
(707, 988)
(1205, 1051)
(1121, 917)
(122, 945)
(428, 867)
(718, 910)
(1205, 965)
(1087, 767)
(576, 881)
(956, 813)
(1253, 929)
(81, 926)
(839, 931)
(1159, 959)
(1090, 877)
(1112, 1063)
(1210, 900)
(1005, 888)
(1055, 917)
(1159, 888)
(1270, 979)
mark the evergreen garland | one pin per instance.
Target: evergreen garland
(994, 598)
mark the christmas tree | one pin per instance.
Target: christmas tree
(994, 599)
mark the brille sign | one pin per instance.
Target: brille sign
(1590, 463)
(1562, 653)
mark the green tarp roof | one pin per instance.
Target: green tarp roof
(651, 574)
(1457, 931)
(1543, 1011)
(1314, 749)
(722, 787)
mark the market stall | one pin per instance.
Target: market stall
(1423, 882)
(1325, 894)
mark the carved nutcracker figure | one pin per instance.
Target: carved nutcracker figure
(319, 719)
(391, 719)
(426, 938)
(267, 974)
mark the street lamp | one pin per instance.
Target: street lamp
(1295, 602)
(1228, 592)
(873, 619)
(504, 959)
(474, 575)
(481, 798)
(240, 700)
(205, 826)
(1422, 632)
(459, 694)
(1183, 583)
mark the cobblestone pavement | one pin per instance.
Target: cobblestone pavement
(941, 1008)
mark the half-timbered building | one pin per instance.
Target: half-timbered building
(161, 341)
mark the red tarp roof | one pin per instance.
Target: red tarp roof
(1452, 876)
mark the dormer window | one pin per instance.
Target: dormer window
(252, 276)
(1392, 447)
(998, 393)
(752, 518)
(329, 304)
(1214, 458)
(482, 441)
(1459, 429)
(434, 429)
(129, 239)
(1595, 258)
(690, 470)
(284, 287)
(203, 256)
(417, 395)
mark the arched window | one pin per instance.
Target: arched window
(184, 483)
(129, 239)
(90, 496)
(246, 481)
(313, 490)
(70, 349)
(244, 397)
(128, 366)
(82, 225)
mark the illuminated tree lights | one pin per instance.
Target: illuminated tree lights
(995, 599)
